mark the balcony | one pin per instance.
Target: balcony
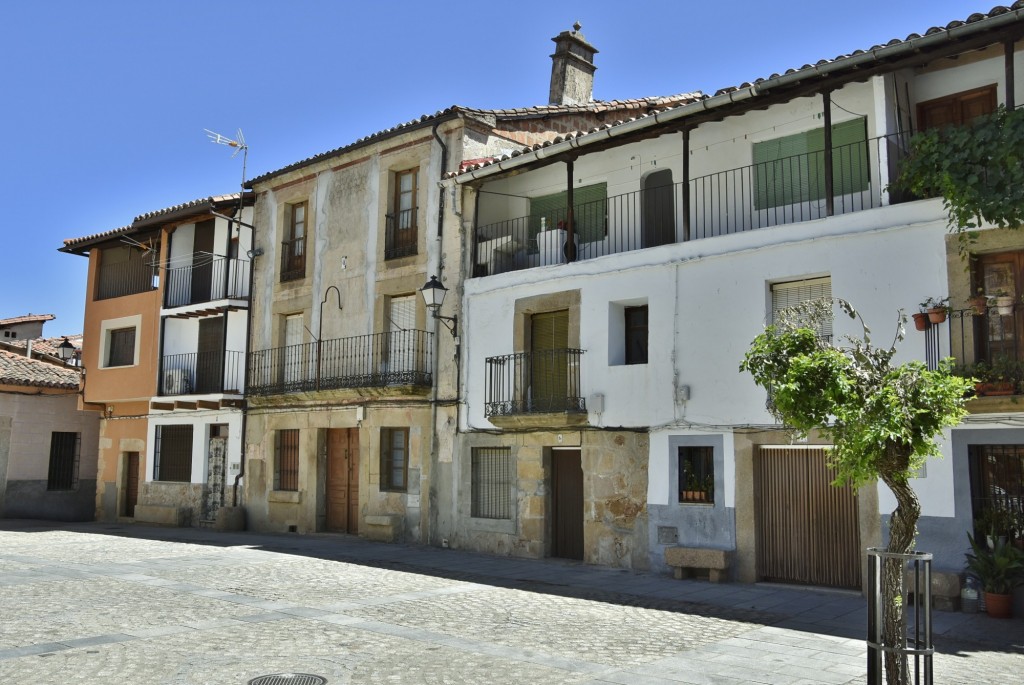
(218, 278)
(399, 358)
(134, 275)
(988, 345)
(293, 259)
(523, 386)
(400, 239)
(201, 373)
(748, 198)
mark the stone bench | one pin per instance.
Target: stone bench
(684, 560)
(382, 527)
(163, 515)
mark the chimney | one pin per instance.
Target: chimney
(572, 69)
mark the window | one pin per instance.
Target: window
(590, 207)
(788, 295)
(401, 236)
(286, 459)
(636, 334)
(491, 483)
(293, 248)
(394, 459)
(64, 454)
(791, 169)
(121, 347)
(997, 487)
(172, 454)
(10, 334)
(957, 109)
(998, 333)
(696, 475)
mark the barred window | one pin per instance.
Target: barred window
(696, 475)
(394, 459)
(492, 483)
(286, 459)
(64, 454)
(172, 454)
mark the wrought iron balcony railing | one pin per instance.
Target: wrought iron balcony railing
(125, 278)
(988, 344)
(534, 382)
(365, 361)
(217, 278)
(199, 373)
(400, 239)
(756, 196)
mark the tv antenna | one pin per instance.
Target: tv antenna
(238, 143)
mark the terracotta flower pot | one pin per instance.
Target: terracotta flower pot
(979, 303)
(937, 314)
(991, 388)
(999, 606)
(1004, 305)
(921, 322)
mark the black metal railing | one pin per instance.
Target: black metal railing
(400, 239)
(534, 382)
(293, 259)
(774, 193)
(987, 345)
(205, 280)
(199, 373)
(125, 278)
(365, 361)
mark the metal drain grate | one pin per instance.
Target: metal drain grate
(288, 679)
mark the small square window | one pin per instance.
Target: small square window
(172, 454)
(696, 475)
(394, 459)
(636, 335)
(64, 453)
(491, 476)
(286, 459)
(121, 347)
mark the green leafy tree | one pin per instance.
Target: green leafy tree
(882, 420)
(977, 169)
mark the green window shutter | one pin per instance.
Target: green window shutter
(590, 208)
(791, 169)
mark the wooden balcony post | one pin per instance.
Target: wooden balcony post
(570, 220)
(1008, 65)
(830, 203)
(686, 184)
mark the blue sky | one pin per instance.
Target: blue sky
(104, 103)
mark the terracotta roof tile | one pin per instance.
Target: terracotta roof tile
(596, 107)
(27, 318)
(48, 345)
(18, 370)
(976, 17)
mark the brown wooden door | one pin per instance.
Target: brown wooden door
(658, 226)
(1000, 334)
(957, 109)
(807, 529)
(202, 261)
(343, 480)
(567, 504)
(131, 478)
(210, 355)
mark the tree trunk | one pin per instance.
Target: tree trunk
(902, 528)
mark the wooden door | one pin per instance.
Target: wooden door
(567, 504)
(956, 110)
(210, 355)
(549, 373)
(658, 225)
(343, 480)
(131, 478)
(807, 528)
(999, 335)
(202, 261)
(400, 363)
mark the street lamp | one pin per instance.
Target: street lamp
(433, 297)
(66, 351)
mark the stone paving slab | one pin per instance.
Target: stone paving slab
(95, 603)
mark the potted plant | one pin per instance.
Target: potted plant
(936, 308)
(996, 378)
(1003, 302)
(995, 524)
(697, 491)
(979, 302)
(1000, 569)
(921, 322)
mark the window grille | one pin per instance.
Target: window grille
(491, 483)
(286, 459)
(65, 449)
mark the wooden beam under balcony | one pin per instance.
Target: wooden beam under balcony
(208, 404)
(161, 406)
(184, 405)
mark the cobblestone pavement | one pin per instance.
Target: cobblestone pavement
(97, 603)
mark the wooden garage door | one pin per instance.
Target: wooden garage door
(807, 528)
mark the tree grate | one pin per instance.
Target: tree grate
(288, 679)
